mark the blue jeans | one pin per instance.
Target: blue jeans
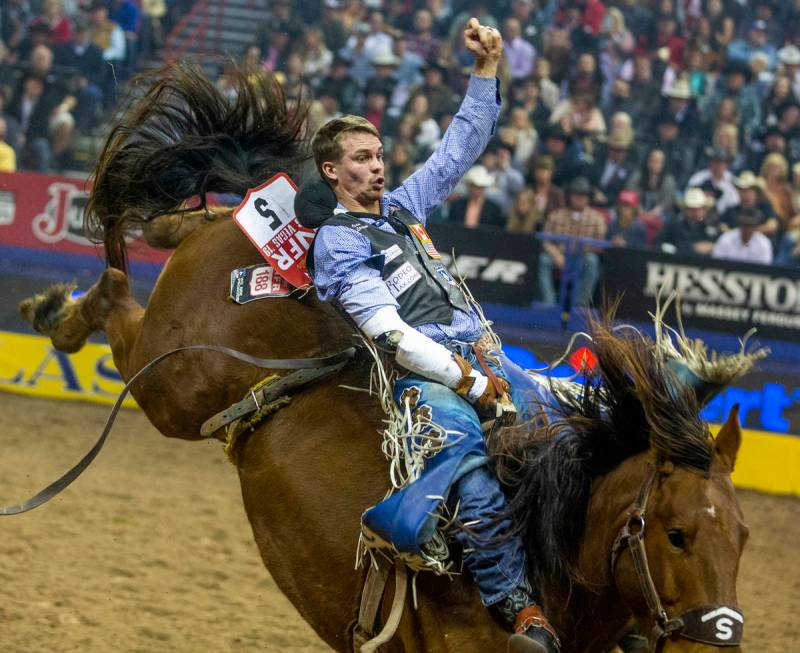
(584, 279)
(497, 567)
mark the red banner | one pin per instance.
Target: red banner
(45, 212)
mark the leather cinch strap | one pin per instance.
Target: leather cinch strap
(266, 363)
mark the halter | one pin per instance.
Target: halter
(715, 625)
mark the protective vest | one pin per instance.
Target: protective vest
(409, 265)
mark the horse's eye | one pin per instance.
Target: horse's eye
(677, 538)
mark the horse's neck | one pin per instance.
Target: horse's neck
(596, 613)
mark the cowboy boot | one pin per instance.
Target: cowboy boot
(533, 633)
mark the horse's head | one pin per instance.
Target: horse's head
(692, 529)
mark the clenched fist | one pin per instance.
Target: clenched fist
(487, 46)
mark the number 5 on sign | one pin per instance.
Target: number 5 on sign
(266, 215)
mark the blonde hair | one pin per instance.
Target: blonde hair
(730, 130)
(327, 142)
(777, 159)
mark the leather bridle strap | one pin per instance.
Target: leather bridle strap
(717, 625)
(66, 479)
(632, 536)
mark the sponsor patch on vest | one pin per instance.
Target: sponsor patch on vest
(391, 253)
(425, 240)
(257, 282)
(402, 279)
(442, 272)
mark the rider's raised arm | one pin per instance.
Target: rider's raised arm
(468, 133)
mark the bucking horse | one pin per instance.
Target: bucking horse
(623, 498)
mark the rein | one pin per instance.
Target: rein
(60, 484)
(715, 625)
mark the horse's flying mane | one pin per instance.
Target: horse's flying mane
(629, 403)
(184, 137)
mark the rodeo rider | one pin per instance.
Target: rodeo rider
(373, 258)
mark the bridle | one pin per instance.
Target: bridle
(715, 625)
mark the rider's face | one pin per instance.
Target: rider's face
(359, 175)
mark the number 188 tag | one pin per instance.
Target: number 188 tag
(266, 215)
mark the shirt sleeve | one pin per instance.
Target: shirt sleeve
(342, 273)
(463, 142)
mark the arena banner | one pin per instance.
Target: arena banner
(498, 267)
(45, 212)
(717, 295)
(29, 365)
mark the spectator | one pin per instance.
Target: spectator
(683, 109)
(613, 171)
(106, 34)
(126, 14)
(407, 73)
(789, 57)
(647, 98)
(428, 132)
(548, 89)
(59, 26)
(524, 216)
(779, 94)
(422, 40)
(85, 60)
(626, 229)
(745, 243)
(720, 178)
(743, 49)
(580, 116)
(548, 196)
(689, 233)
(318, 58)
(736, 85)
(400, 165)
(476, 209)
(45, 120)
(520, 54)
(508, 181)
(587, 80)
(721, 23)
(655, 187)
(576, 220)
(275, 45)
(8, 157)
(526, 95)
(726, 138)
(375, 109)
(15, 16)
(383, 80)
(751, 196)
(435, 87)
(521, 136)
(346, 88)
(775, 173)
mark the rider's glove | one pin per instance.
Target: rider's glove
(477, 389)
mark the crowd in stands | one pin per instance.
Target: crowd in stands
(671, 124)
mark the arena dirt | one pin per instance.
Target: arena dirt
(150, 551)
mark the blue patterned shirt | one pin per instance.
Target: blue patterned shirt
(340, 253)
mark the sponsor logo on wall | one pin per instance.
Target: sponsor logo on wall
(716, 295)
(498, 267)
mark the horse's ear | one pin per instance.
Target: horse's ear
(729, 438)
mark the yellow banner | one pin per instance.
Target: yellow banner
(29, 365)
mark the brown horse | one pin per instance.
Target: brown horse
(309, 470)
